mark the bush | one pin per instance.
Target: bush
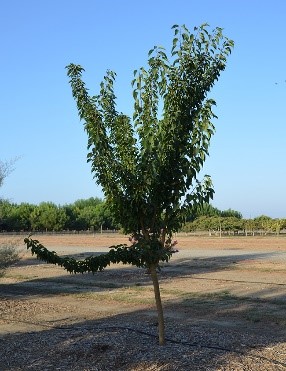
(9, 255)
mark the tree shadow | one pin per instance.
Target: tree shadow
(115, 277)
(32, 282)
(213, 263)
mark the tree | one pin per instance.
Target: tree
(90, 202)
(22, 214)
(148, 166)
(277, 225)
(205, 209)
(5, 214)
(85, 214)
(48, 217)
(104, 218)
(249, 226)
(231, 223)
(89, 217)
(6, 167)
(264, 223)
(92, 213)
(231, 213)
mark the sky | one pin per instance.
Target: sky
(39, 124)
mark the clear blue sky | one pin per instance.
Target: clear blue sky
(38, 116)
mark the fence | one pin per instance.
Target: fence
(210, 233)
(57, 233)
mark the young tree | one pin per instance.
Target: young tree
(148, 166)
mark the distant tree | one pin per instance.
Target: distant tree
(205, 209)
(249, 226)
(6, 167)
(73, 222)
(149, 169)
(283, 226)
(22, 213)
(231, 223)
(231, 213)
(104, 218)
(264, 223)
(6, 208)
(91, 213)
(277, 225)
(82, 214)
(206, 223)
(215, 223)
(89, 202)
(88, 217)
(48, 217)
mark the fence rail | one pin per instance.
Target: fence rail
(211, 233)
(57, 233)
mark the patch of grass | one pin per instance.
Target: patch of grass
(127, 295)
(220, 299)
(266, 315)
(85, 283)
(223, 303)
(20, 277)
(132, 297)
(224, 294)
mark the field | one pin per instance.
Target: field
(224, 303)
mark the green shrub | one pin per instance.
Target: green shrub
(9, 255)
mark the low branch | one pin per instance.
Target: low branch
(139, 255)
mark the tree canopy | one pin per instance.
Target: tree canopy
(148, 165)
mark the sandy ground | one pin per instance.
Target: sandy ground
(228, 285)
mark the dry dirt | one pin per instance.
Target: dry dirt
(224, 303)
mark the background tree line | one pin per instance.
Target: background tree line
(93, 214)
(89, 214)
(215, 221)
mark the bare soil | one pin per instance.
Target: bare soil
(224, 303)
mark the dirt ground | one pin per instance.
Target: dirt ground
(222, 296)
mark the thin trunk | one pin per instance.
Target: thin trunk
(144, 231)
(163, 237)
(161, 324)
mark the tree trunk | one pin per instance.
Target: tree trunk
(161, 324)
